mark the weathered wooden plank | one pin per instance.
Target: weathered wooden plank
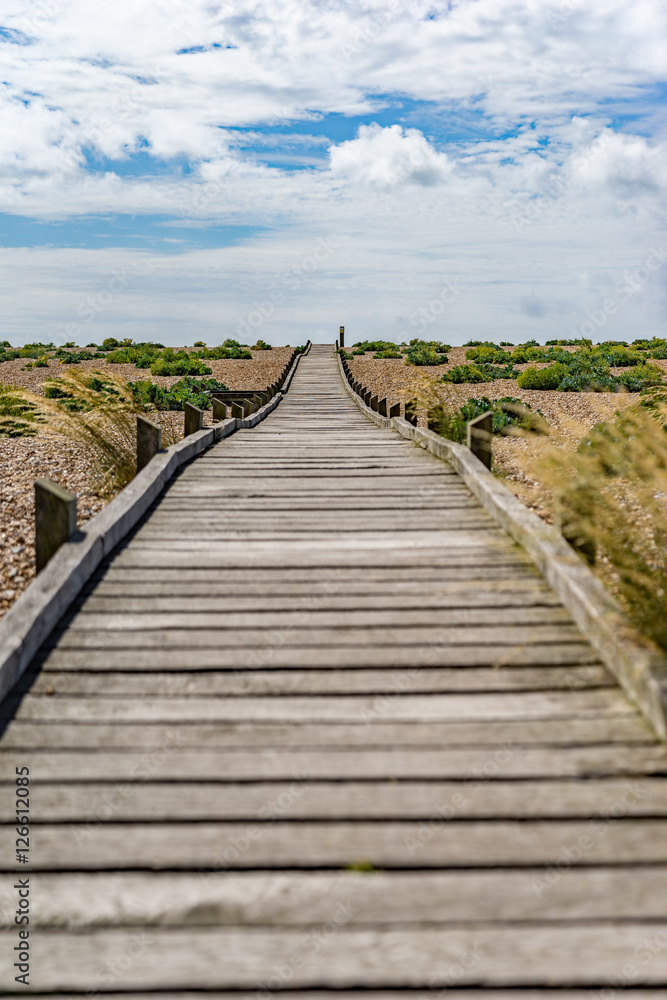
(153, 899)
(271, 636)
(556, 732)
(483, 574)
(314, 619)
(230, 527)
(332, 764)
(110, 596)
(386, 544)
(536, 993)
(542, 954)
(433, 803)
(217, 657)
(466, 571)
(391, 844)
(360, 681)
(340, 708)
(231, 556)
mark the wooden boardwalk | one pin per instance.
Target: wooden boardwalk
(319, 725)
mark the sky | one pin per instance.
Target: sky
(450, 170)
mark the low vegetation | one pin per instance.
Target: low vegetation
(510, 416)
(150, 396)
(144, 354)
(98, 411)
(588, 368)
(418, 352)
(19, 417)
(610, 502)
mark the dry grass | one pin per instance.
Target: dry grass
(608, 496)
(99, 412)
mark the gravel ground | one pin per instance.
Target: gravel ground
(51, 456)
(571, 414)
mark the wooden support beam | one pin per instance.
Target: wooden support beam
(149, 441)
(382, 407)
(194, 419)
(395, 410)
(237, 409)
(411, 411)
(480, 438)
(374, 403)
(55, 519)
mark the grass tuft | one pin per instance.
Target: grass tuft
(610, 502)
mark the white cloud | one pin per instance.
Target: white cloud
(389, 157)
(554, 186)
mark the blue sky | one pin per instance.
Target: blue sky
(453, 170)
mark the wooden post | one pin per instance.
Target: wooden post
(395, 410)
(257, 402)
(149, 441)
(342, 336)
(194, 418)
(237, 409)
(480, 437)
(55, 519)
(219, 410)
(411, 410)
(382, 407)
(374, 403)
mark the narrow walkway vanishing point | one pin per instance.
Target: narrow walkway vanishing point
(320, 725)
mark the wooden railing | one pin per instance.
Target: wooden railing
(479, 430)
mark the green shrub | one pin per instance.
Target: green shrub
(110, 344)
(592, 378)
(391, 353)
(377, 346)
(466, 373)
(262, 345)
(9, 353)
(488, 353)
(170, 362)
(617, 356)
(641, 377)
(426, 352)
(141, 355)
(76, 357)
(230, 350)
(150, 396)
(543, 378)
(655, 348)
(507, 412)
